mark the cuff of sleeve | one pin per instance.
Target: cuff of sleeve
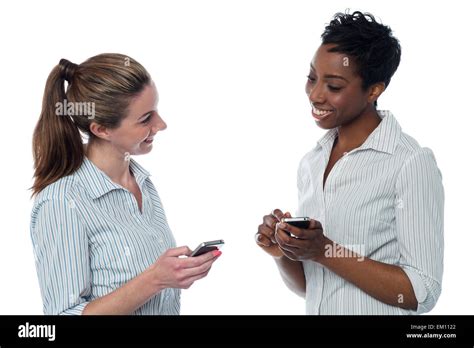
(76, 310)
(417, 283)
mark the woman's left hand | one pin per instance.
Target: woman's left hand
(307, 244)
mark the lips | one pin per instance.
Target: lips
(148, 140)
(320, 114)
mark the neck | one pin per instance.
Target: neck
(354, 133)
(111, 161)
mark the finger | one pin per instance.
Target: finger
(263, 240)
(270, 221)
(310, 233)
(267, 232)
(315, 225)
(193, 271)
(285, 240)
(287, 215)
(290, 249)
(197, 261)
(192, 279)
(295, 231)
(175, 252)
(277, 213)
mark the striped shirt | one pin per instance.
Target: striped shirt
(90, 238)
(383, 200)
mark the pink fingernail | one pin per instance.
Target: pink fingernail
(217, 253)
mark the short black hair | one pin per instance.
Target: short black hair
(373, 47)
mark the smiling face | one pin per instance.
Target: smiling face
(335, 89)
(136, 131)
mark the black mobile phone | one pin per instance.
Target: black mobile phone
(300, 222)
(207, 246)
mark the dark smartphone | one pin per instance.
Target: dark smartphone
(300, 222)
(207, 246)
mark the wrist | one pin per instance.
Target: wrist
(152, 280)
(278, 257)
(325, 244)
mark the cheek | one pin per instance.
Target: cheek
(337, 100)
(307, 88)
(346, 100)
(132, 136)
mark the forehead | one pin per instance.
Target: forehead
(333, 63)
(145, 101)
(149, 95)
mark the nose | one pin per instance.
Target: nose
(316, 93)
(158, 125)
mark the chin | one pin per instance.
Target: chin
(140, 151)
(325, 126)
(146, 150)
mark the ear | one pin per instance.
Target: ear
(375, 91)
(99, 131)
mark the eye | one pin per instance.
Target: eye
(334, 88)
(146, 119)
(311, 79)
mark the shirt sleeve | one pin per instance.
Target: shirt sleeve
(419, 220)
(62, 257)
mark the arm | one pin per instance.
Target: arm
(62, 257)
(126, 299)
(169, 271)
(415, 282)
(386, 283)
(292, 274)
(62, 261)
(291, 271)
(420, 226)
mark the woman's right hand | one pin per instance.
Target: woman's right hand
(173, 271)
(265, 237)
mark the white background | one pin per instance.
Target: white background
(231, 78)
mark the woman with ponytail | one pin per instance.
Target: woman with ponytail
(101, 239)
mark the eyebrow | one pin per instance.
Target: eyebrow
(335, 77)
(330, 76)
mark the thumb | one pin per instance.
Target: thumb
(175, 252)
(314, 224)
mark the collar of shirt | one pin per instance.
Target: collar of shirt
(384, 138)
(97, 183)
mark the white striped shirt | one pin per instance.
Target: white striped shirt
(383, 200)
(90, 238)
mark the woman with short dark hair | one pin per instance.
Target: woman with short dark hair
(375, 197)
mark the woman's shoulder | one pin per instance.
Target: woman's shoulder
(60, 190)
(408, 148)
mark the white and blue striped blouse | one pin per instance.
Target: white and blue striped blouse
(90, 238)
(383, 200)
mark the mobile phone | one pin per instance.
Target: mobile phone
(300, 222)
(207, 246)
